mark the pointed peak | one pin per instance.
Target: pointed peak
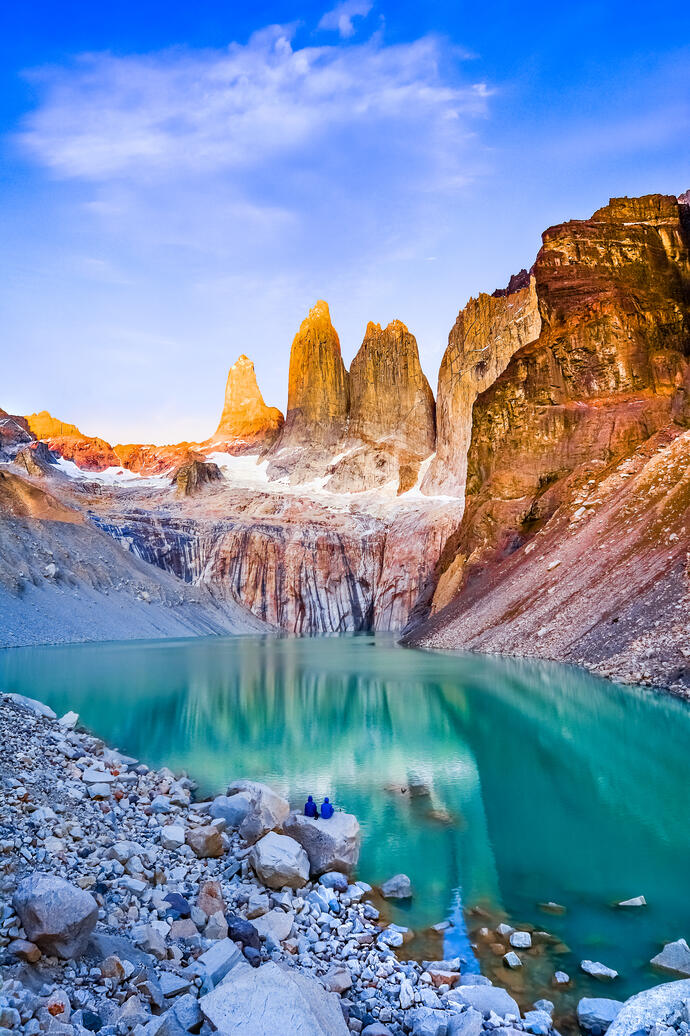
(397, 327)
(243, 361)
(372, 329)
(319, 314)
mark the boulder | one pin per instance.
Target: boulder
(397, 887)
(56, 916)
(469, 1023)
(424, 1021)
(484, 999)
(267, 809)
(636, 901)
(221, 958)
(280, 861)
(37, 707)
(331, 845)
(335, 880)
(596, 1014)
(598, 970)
(276, 924)
(520, 940)
(511, 960)
(205, 842)
(269, 1000)
(231, 808)
(641, 1011)
(675, 957)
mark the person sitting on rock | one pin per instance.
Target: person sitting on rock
(326, 809)
(310, 808)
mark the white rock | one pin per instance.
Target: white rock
(521, 940)
(280, 861)
(173, 836)
(598, 970)
(331, 845)
(269, 1000)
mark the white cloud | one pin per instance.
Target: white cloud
(183, 112)
(340, 17)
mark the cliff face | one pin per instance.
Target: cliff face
(356, 430)
(44, 426)
(297, 564)
(246, 422)
(486, 334)
(390, 398)
(608, 373)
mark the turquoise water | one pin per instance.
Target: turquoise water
(546, 784)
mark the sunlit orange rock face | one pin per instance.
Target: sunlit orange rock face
(318, 385)
(489, 330)
(44, 426)
(608, 371)
(89, 454)
(390, 397)
(246, 421)
(149, 459)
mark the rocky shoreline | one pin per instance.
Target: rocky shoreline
(127, 907)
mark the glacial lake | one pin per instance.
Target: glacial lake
(546, 784)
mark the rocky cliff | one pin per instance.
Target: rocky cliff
(44, 426)
(487, 333)
(318, 398)
(300, 564)
(246, 423)
(606, 377)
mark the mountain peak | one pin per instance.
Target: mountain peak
(245, 415)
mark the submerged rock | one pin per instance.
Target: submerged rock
(596, 1014)
(675, 956)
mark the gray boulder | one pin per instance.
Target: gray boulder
(231, 808)
(484, 999)
(425, 1021)
(397, 887)
(37, 707)
(643, 1009)
(280, 861)
(268, 1000)
(675, 957)
(331, 845)
(598, 970)
(465, 1023)
(597, 1013)
(267, 810)
(57, 916)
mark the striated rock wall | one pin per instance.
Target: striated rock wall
(300, 567)
(246, 422)
(487, 333)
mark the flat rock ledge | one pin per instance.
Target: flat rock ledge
(128, 908)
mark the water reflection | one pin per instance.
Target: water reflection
(544, 783)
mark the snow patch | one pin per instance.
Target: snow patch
(112, 476)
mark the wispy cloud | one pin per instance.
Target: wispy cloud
(339, 19)
(183, 111)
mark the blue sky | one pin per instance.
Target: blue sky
(180, 182)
